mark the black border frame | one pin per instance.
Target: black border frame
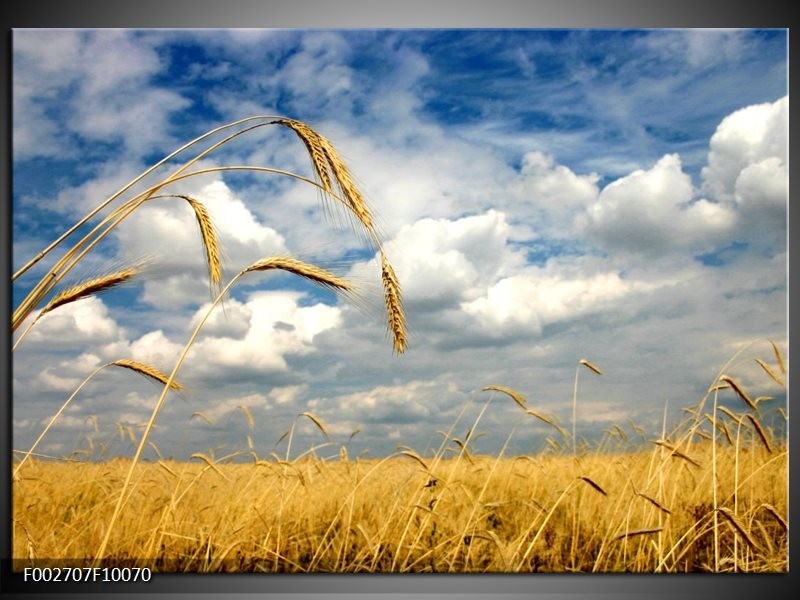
(364, 14)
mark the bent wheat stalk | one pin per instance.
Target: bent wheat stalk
(139, 367)
(316, 274)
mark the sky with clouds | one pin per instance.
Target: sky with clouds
(544, 196)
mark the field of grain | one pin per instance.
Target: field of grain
(646, 511)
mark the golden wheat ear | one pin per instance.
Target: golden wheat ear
(312, 272)
(394, 305)
(147, 371)
(90, 287)
(210, 242)
(329, 169)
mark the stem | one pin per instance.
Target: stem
(55, 417)
(122, 497)
(575, 411)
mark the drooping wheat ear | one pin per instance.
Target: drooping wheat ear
(90, 287)
(82, 290)
(761, 433)
(725, 512)
(590, 366)
(394, 305)
(739, 391)
(654, 502)
(316, 420)
(768, 370)
(330, 168)
(513, 394)
(779, 357)
(312, 272)
(147, 371)
(251, 422)
(210, 241)
(637, 532)
(592, 483)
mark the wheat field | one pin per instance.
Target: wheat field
(636, 511)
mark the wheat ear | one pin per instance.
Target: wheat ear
(394, 305)
(84, 289)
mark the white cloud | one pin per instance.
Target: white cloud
(521, 305)
(440, 261)
(155, 348)
(226, 408)
(51, 381)
(650, 212)
(744, 138)
(554, 193)
(103, 78)
(411, 402)
(278, 326)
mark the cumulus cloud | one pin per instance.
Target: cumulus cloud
(554, 193)
(746, 137)
(440, 261)
(650, 212)
(278, 326)
(521, 305)
(410, 402)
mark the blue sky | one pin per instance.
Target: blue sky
(545, 196)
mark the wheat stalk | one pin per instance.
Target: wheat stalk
(141, 368)
(311, 272)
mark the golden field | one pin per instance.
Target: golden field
(645, 511)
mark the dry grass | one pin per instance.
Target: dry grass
(686, 504)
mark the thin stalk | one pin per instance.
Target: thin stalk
(138, 367)
(122, 497)
(160, 403)
(56, 416)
